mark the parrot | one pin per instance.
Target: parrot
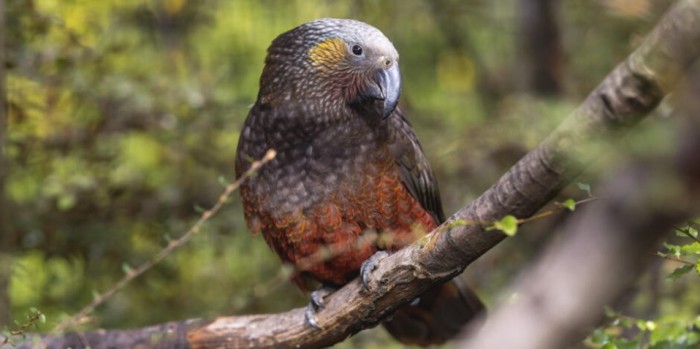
(349, 178)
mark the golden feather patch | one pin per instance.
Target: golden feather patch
(328, 52)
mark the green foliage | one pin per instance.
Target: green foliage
(666, 333)
(687, 253)
(671, 329)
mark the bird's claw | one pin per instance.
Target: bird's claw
(369, 266)
(316, 303)
(310, 317)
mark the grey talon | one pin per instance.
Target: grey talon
(310, 316)
(316, 303)
(369, 266)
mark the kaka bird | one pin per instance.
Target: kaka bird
(348, 163)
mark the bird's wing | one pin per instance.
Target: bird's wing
(414, 169)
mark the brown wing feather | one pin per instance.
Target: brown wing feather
(414, 169)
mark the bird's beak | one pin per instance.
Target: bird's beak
(390, 82)
(387, 88)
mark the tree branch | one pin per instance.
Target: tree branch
(604, 250)
(630, 92)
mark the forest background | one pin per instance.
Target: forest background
(123, 119)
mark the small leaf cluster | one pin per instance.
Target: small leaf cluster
(687, 253)
(665, 333)
(671, 330)
(32, 318)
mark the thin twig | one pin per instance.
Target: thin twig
(553, 211)
(31, 320)
(674, 259)
(172, 245)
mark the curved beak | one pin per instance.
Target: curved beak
(390, 82)
(387, 88)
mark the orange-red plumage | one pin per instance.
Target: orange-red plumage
(378, 203)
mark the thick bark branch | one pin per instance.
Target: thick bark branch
(630, 92)
(602, 252)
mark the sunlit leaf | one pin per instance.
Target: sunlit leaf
(689, 249)
(508, 225)
(570, 204)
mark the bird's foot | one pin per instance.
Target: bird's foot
(368, 267)
(316, 303)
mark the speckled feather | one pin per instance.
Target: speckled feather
(342, 169)
(338, 172)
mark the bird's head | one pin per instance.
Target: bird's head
(334, 62)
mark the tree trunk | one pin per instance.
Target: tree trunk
(540, 50)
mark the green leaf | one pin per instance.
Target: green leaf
(680, 272)
(673, 249)
(223, 181)
(599, 337)
(199, 209)
(508, 225)
(626, 322)
(570, 204)
(693, 248)
(667, 333)
(585, 187)
(126, 268)
(646, 325)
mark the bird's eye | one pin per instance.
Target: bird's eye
(357, 50)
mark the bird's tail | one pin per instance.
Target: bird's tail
(438, 316)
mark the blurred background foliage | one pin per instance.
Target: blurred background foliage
(124, 114)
